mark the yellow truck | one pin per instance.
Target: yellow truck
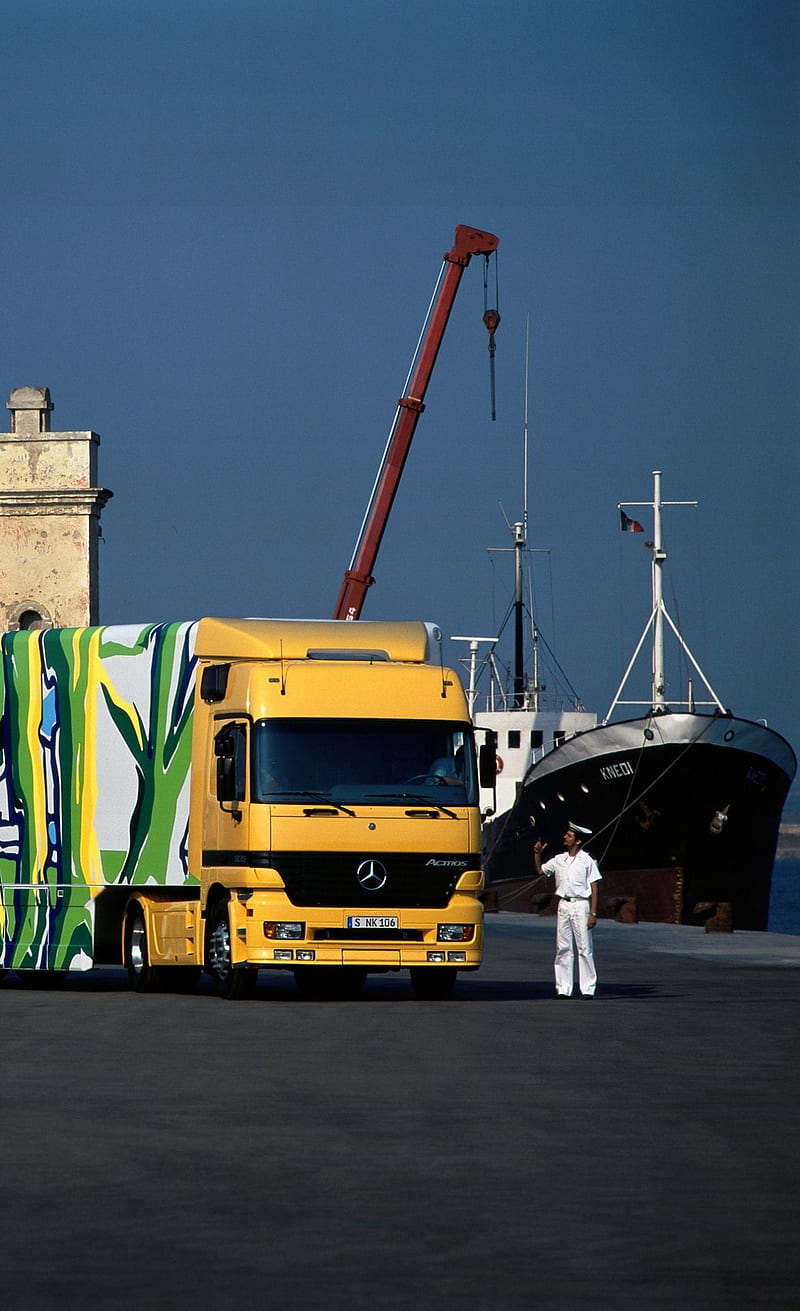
(240, 794)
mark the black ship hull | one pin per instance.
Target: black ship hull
(684, 810)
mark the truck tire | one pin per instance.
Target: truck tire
(142, 976)
(433, 983)
(232, 984)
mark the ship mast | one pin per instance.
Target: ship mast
(658, 679)
(658, 615)
(520, 531)
(474, 642)
(524, 694)
(519, 611)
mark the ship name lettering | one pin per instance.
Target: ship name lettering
(623, 769)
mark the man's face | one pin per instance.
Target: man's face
(570, 838)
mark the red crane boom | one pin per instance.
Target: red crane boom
(358, 578)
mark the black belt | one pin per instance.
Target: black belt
(575, 898)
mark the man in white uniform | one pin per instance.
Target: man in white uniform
(577, 876)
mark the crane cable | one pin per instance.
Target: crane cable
(491, 318)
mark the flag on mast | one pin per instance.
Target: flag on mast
(629, 525)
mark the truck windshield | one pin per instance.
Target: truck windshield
(391, 761)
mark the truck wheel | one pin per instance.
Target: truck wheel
(232, 984)
(142, 976)
(433, 984)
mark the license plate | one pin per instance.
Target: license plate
(372, 922)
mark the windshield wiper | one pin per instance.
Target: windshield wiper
(317, 796)
(424, 802)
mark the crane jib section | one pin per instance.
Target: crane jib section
(358, 578)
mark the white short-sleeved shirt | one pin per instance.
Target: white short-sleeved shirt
(574, 874)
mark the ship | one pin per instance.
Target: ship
(684, 800)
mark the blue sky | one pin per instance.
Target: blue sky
(222, 226)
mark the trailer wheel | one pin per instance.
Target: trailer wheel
(142, 976)
(232, 984)
(433, 984)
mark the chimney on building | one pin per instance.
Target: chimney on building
(30, 409)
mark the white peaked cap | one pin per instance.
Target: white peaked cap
(583, 832)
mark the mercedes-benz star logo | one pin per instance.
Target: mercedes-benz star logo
(372, 875)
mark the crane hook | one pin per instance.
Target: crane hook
(492, 319)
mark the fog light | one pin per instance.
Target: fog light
(436, 955)
(283, 953)
(284, 929)
(304, 953)
(457, 955)
(455, 932)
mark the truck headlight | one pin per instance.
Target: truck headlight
(455, 932)
(284, 929)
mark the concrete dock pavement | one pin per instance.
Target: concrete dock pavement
(661, 1122)
(499, 1151)
(652, 952)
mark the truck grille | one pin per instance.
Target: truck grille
(368, 935)
(411, 879)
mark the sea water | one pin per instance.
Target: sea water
(784, 901)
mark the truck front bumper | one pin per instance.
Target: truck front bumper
(358, 937)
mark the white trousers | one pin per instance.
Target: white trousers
(573, 935)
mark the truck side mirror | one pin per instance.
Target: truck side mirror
(226, 778)
(214, 683)
(229, 746)
(487, 766)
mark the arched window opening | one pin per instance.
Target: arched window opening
(32, 619)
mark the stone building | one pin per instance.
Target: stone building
(49, 519)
